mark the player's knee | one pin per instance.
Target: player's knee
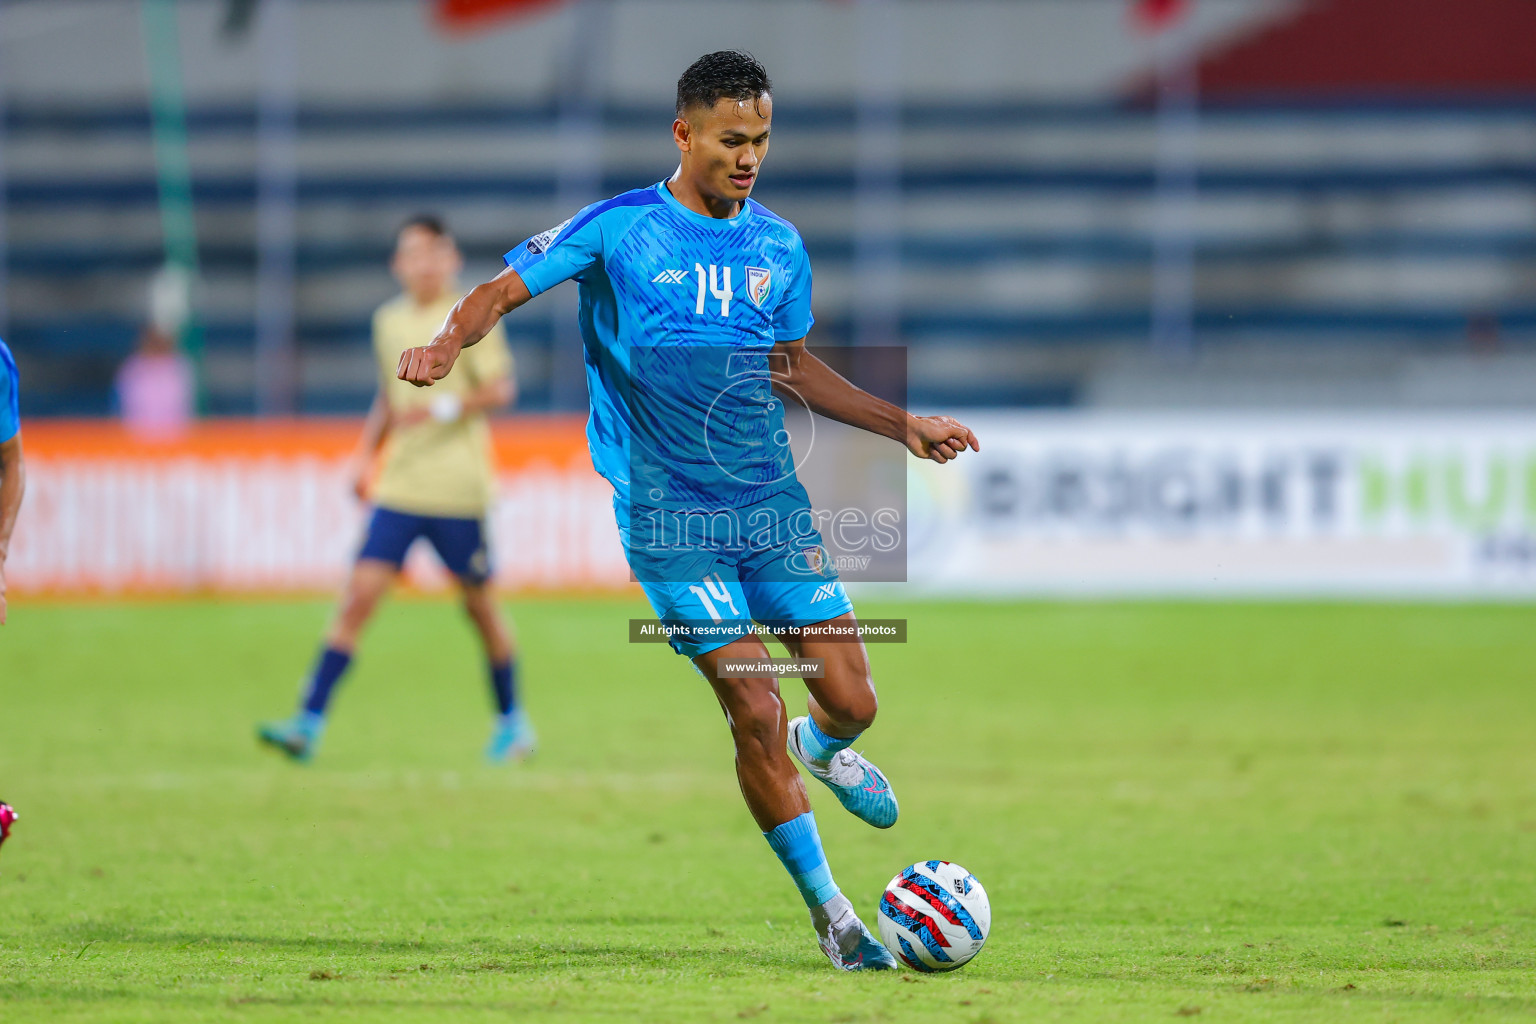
(851, 704)
(854, 713)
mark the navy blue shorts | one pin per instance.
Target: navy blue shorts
(460, 543)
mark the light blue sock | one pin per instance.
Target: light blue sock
(819, 745)
(799, 848)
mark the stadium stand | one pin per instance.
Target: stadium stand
(1349, 247)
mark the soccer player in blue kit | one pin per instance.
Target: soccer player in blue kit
(13, 471)
(695, 305)
(13, 480)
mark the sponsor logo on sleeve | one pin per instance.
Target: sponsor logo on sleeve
(542, 241)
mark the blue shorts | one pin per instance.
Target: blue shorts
(460, 543)
(709, 576)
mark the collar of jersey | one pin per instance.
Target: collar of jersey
(693, 215)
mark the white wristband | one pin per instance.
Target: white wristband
(447, 408)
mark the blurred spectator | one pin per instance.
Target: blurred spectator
(155, 387)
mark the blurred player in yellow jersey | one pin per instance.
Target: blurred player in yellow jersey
(435, 481)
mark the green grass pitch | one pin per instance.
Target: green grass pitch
(1230, 812)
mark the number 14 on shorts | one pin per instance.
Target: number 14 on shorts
(714, 589)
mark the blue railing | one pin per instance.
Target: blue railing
(92, 342)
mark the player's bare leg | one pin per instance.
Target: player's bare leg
(755, 712)
(842, 704)
(513, 735)
(366, 586)
(369, 581)
(495, 633)
(776, 796)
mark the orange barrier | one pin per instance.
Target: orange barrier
(264, 506)
(520, 441)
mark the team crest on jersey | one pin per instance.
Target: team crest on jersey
(816, 561)
(538, 243)
(758, 282)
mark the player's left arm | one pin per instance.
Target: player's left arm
(13, 481)
(376, 430)
(801, 377)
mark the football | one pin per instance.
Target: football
(934, 916)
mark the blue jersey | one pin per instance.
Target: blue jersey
(10, 396)
(679, 312)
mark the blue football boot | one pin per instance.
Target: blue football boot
(861, 788)
(297, 736)
(850, 946)
(512, 739)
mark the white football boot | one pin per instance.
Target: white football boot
(845, 940)
(861, 788)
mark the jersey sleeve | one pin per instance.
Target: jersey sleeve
(559, 254)
(792, 318)
(10, 396)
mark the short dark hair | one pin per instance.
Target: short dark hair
(724, 74)
(429, 222)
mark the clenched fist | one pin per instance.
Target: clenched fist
(427, 365)
(939, 438)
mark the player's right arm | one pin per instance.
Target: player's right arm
(471, 319)
(533, 267)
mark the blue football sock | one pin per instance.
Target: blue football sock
(819, 745)
(327, 673)
(799, 848)
(504, 686)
